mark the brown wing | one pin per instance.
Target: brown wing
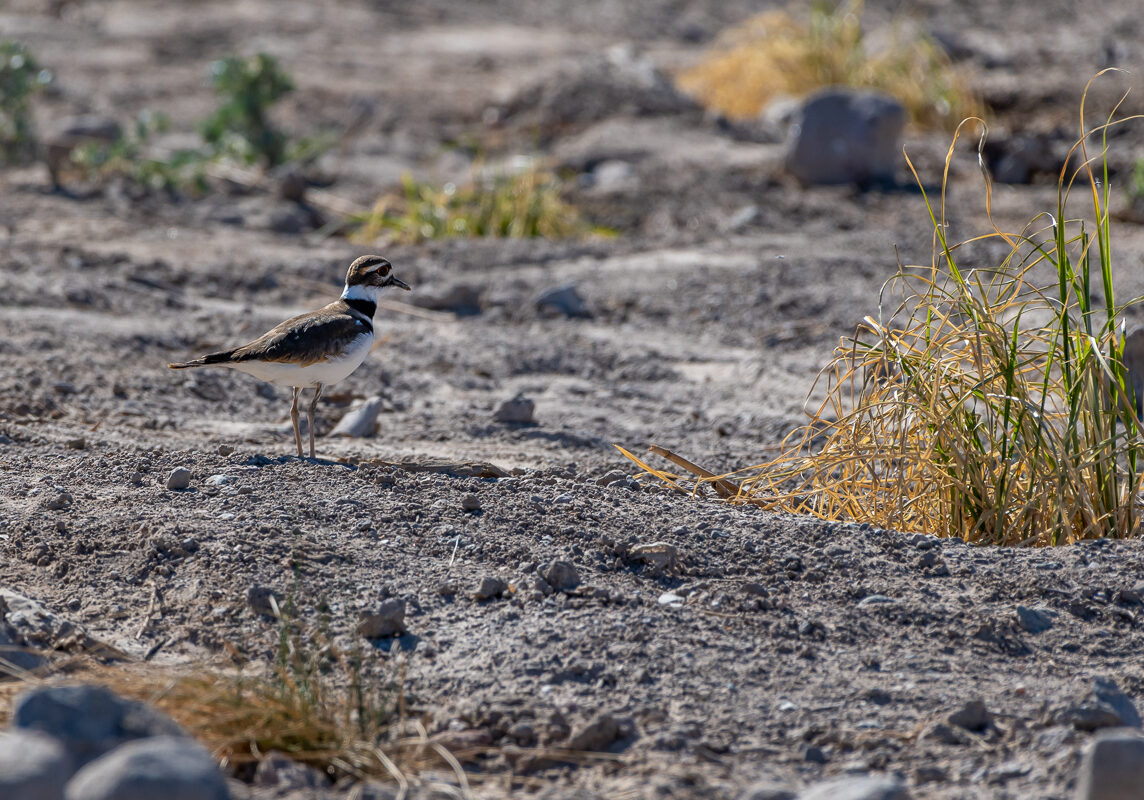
(306, 339)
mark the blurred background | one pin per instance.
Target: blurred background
(695, 194)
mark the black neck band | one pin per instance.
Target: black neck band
(367, 307)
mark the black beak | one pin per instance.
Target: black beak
(393, 281)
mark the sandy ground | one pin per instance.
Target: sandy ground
(793, 650)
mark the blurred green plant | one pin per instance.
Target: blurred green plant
(182, 170)
(521, 204)
(241, 128)
(20, 78)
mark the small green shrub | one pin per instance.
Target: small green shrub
(241, 128)
(184, 170)
(524, 204)
(20, 78)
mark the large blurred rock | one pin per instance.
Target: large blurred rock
(163, 768)
(89, 720)
(1113, 767)
(617, 83)
(33, 766)
(846, 136)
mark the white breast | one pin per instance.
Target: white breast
(331, 370)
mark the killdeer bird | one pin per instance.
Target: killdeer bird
(315, 349)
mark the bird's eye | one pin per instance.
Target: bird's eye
(383, 270)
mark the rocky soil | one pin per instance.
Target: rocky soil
(550, 601)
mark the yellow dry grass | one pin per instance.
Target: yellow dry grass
(777, 54)
(992, 403)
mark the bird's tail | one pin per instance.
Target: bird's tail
(204, 361)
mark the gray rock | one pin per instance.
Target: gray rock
(613, 175)
(360, 421)
(814, 755)
(565, 300)
(519, 410)
(940, 732)
(973, 716)
(610, 477)
(470, 502)
(561, 576)
(1112, 767)
(288, 218)
(33, 766)
(875, 600)
(659, 556)
(162, 768)
(597, 88)
(221, 480)
(1035, 620)
(371, 790)
(596, 736)
(671, 599)
(741, 218)
(32, 626)
(1106, 691)
(846, 136)
(463, 299)
(1104, 706)
(388, 620)
(57, 501)
(262, 600)
(285, 774)
(89, 720)
(767, 790)
(489, 587)
(861, 788)
(179, 479)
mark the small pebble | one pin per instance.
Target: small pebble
(387, 620)
(179, 479)
(470, 502)
(519, 410)
(875, 600)
(489, 587)
(225, 449)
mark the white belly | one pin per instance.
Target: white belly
(331, 370)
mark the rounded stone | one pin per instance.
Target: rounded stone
(166, 767)
(179, 479)
(33, 766)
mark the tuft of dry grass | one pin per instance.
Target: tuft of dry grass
(776, 54)
(992, 403)
(340, 713)
(520, 204)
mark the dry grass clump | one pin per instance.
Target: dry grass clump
(777, 54)
(518, 204)
(991, 403)
(339, 712)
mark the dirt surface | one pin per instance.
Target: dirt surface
(745, 645)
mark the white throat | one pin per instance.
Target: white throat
(362, 292)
